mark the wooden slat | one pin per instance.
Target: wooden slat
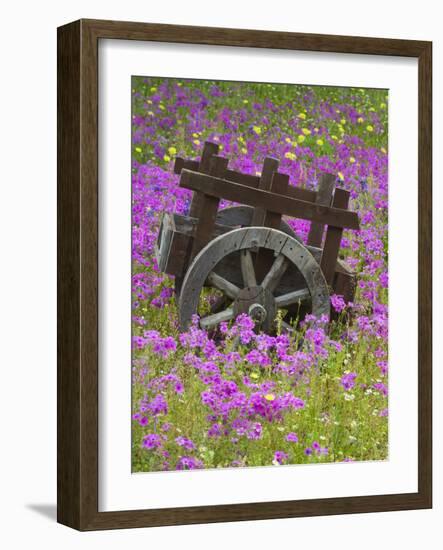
(279, 185)
(270, 166)
(244, 179)
(331, 249)
(250, 180)
(181, 163)
(207, 207)
(265, 257)
(209, 150)
(218, 187)
(301, 194)
(204, 166)
(253, 181)
(326, 187)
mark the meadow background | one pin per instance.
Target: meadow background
(321, 396)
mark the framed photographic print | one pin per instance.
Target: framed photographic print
(244, 274)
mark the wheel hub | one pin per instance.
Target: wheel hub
(258, 303)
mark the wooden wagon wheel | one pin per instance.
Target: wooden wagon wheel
(235, 216)
(259, 300)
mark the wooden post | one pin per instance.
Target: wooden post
(207, 208)
(326, 186)
(279, 185)
(270, 166)
(209, 150)
(331, 249)
(265, 258)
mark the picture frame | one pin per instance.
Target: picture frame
(78, 245)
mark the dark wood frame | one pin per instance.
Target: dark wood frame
(77, 173)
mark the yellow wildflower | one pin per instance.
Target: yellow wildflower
(291, 156)
(166, 158)
(341, 176)
(257, 130)
(195, 134)
(302, 116)
(269, 397)
(288, 140)
(320, 142)
(254, 375)
(138, 149)
(153, 89)
(351, 160)
(245, 101)
(306, 131)
(360, 119)
(301, 138)
(383, 150)
(197, 141)
(172, 151)
(162, 107)
(369, 128)
(244, 150)
(343, 121)
(382, 105)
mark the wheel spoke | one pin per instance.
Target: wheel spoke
(247, 268)
(275, 273)
(292, 297)
(211, 321)
(228, 288)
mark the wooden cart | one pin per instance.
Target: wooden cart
(249, 252)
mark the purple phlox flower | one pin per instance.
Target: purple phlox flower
(292, 437)
(158, 405)
(280, 457)
(255, 431)
(383, 366)
(256, 357)
(338, 303)
(348, 380)
(141, 419)
(244, 328)
(186, 443)
(152, 441)
(188, 463)
(215, 431)
(382, 388)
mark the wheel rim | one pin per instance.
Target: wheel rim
(286, 249)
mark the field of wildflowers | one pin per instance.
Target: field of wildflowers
(318, 396)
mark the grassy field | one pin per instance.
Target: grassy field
(318, 396)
